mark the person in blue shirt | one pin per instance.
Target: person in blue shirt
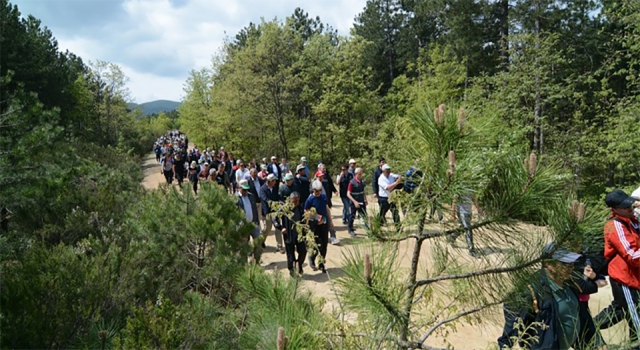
(320, 223)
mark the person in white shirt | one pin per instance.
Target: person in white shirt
(241, 172)
(387, 182)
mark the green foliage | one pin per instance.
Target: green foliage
(197, 322)
(273, 302)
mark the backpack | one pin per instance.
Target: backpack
(412, 179)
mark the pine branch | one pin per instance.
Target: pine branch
(434, 234)
(453, 318)
(479, 273)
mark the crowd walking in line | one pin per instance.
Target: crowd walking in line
(260, 185)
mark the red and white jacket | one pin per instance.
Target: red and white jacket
(622, 250)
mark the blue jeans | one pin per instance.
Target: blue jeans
(346, 206)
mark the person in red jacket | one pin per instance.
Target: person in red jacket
(622, 250)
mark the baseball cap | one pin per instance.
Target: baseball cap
(288, 177)
(303, 159)
(299, 167)
(319, 173)
(244, 184)
(386, 167)
(352, 161)
(193, 164)
(618, 199)
(273, 157)
(560, 253)
(263, 167)
(271, 177)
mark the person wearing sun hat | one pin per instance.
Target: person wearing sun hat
(548, 308)
(622, 250)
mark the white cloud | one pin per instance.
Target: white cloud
(157, 42)
(147, 87)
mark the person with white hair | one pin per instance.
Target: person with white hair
(320, 223)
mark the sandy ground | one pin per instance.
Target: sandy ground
(465, 336)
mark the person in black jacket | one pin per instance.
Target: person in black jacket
(291, 230)
(301, 183)
(247, 203)
(328, 189)
(549, 306)
(269, 194)
(274, 168)
(345, 177)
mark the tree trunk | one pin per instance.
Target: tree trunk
(411, 290)
(504, 33)
(537, 109)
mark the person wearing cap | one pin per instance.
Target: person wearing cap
(358, 200)
(387, 182)
(376, 176)
(286, 188)
(548, 307)
(343, 180)
(305, 165)
(320, 223)
(274, 168)
(622, 250)
(247, 203)
(193, 176)
(352, 166)
(291, 230)
(301, 183)
(268, 194)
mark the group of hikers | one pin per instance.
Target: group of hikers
(555, 311)
(260, 184)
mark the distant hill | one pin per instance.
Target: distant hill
(155, 106)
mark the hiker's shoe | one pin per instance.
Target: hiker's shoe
(474, 253)
(312, 265)
(334, 240)
(352, 233)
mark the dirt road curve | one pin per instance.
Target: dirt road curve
(465, 336)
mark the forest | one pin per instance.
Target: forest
(530, 104)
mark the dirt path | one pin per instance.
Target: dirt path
(465, 336)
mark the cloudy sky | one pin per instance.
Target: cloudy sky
(157, 42)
